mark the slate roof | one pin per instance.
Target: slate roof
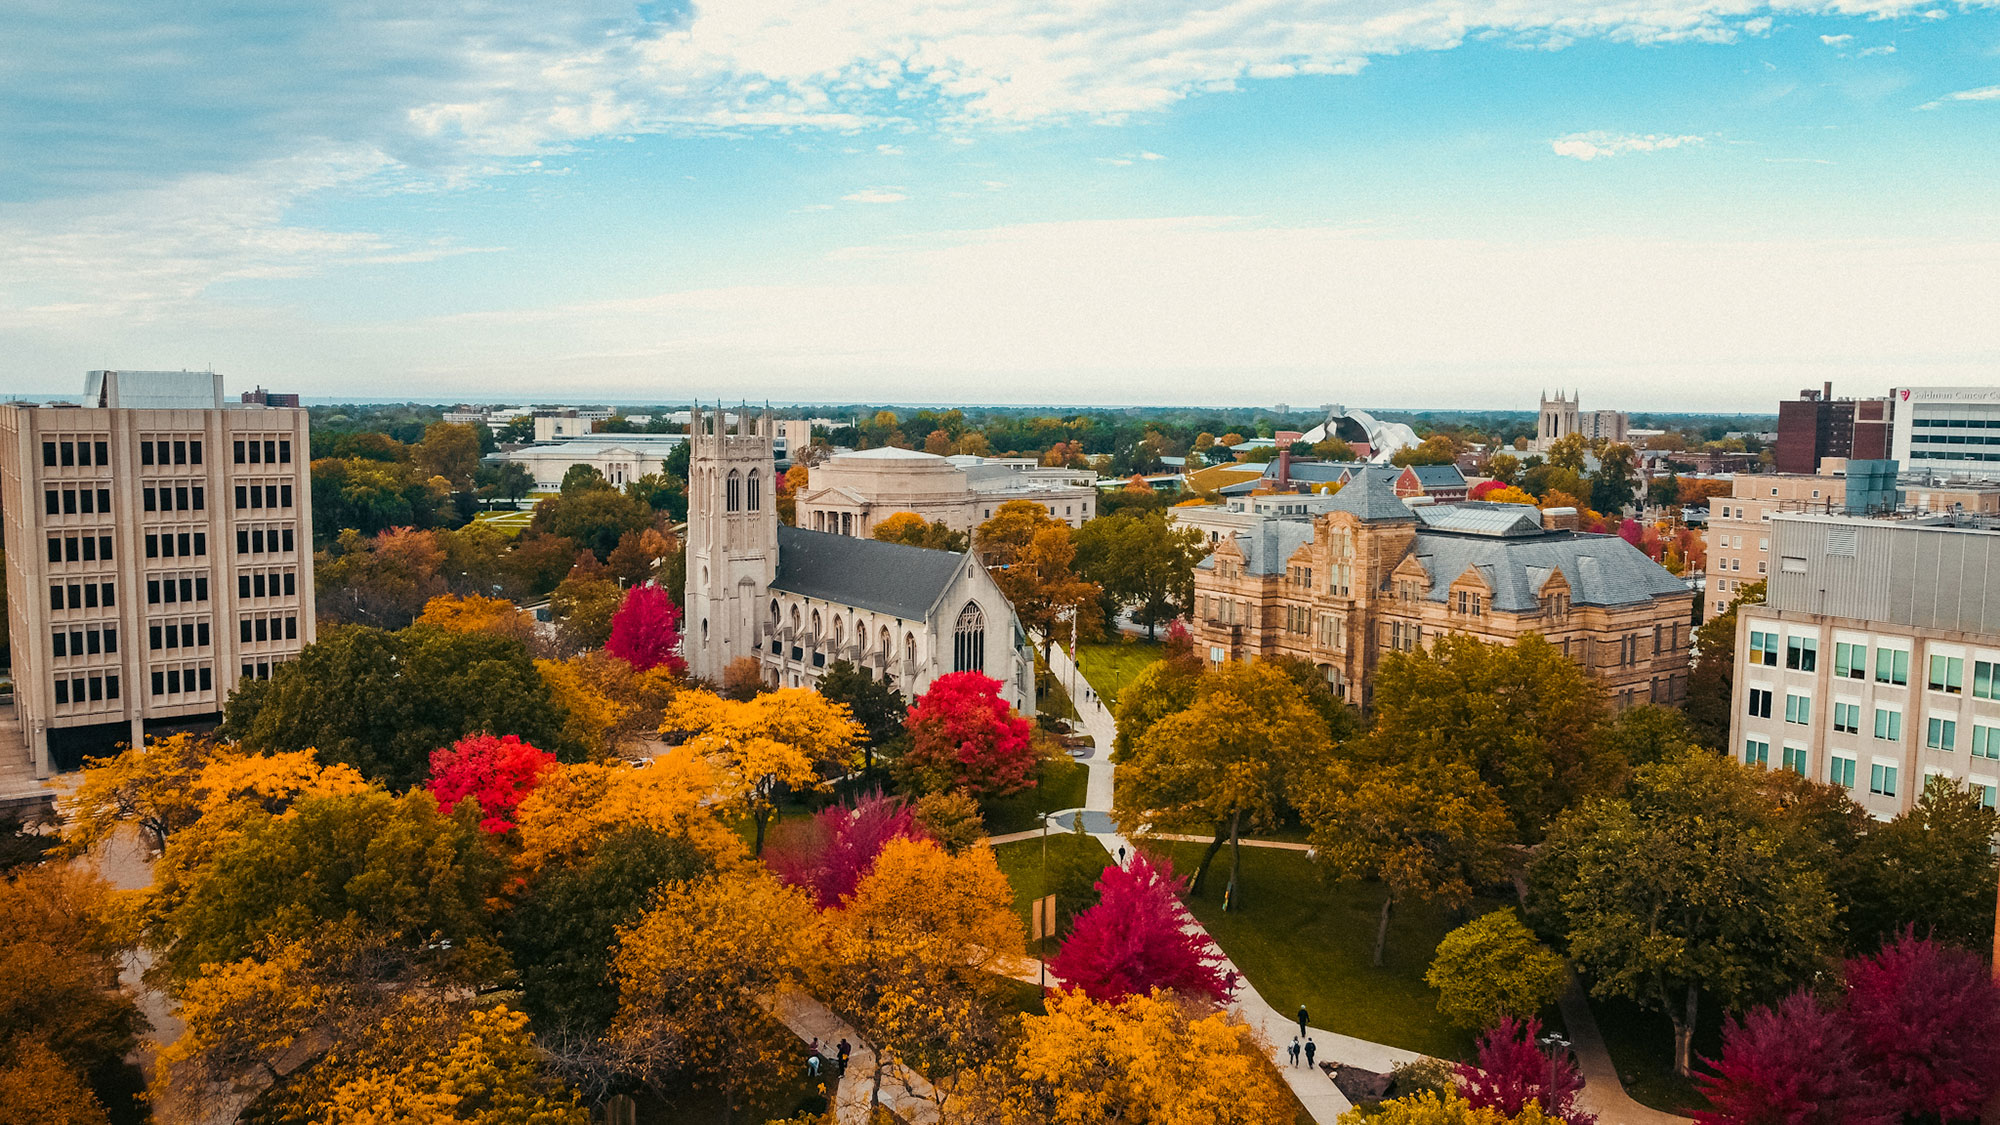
(1318, 472)
(1438, 476)
(1372, 497)
(1601, 570)
(891, 578)
(1482, 517)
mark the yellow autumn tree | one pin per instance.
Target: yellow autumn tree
(1156, 1059)
(786, 739)
(149, 786)
(174, 783)
(476, 614)
(610, 705)
(699, 971)
(915, 943)
(962, 900)
(489, 1074)
(576, 806)
(1509, 495)
(1429, 1108)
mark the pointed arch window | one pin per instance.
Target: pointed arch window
(733, 499)
(756, 491)
(968, 640)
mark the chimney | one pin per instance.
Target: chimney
(1284, 480)
(1559, 519)
(1827, 394)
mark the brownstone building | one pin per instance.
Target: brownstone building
(1372, 575)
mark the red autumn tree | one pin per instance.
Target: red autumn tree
(497, 772)
(1631, 531)
(1486, 488)
(1790, 1065)
(646, 630)
(1514, 1072)
(829, 855)
(1136, 939)
(963, 735)
(1924, 1018)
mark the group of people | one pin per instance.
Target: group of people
(1302, 1042)
(816, 1061)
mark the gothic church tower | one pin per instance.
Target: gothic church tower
(732, 536)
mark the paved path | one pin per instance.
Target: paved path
(1286, 845)
(904, 1092)
(1603, 1094)
(1097, 722)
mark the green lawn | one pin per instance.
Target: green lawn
(507, 523)
(1110, 665)
(1061, 786)
(1302, 942)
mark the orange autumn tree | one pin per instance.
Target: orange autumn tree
(791, 738)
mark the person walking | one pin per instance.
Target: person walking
(1294, 1052)
(1310, 1049)
(1302, 1021)
(841, 1056)
(1121, 855)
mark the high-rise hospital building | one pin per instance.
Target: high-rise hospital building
(159, 552)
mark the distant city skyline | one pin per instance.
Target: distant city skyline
(1681, 206)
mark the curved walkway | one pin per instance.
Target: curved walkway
(1603, 1093)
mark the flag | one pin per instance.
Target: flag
(1043, 924)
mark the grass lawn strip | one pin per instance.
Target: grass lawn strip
(1109, 666)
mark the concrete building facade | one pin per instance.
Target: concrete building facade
(1874, 661)
(849, 493)
(1369, 575)
(159, 554)
(1739, 526)
(1947, 430)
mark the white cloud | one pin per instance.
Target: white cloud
(1836, 40)
(1871, 52)
(1151, 156)
(876, 195)
(1596, 145)
(889, 150)
(1982, 94)
(1195, 309)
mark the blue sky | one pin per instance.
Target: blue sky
(1682, 204)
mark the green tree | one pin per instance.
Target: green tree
(1494, 966)
(1235, 753)
(1694, 884)
(1437, 449)
(391, 867)
(1143, 563)
(583, 606)
(1648, 732)
(1567, 452)
(661, 493)
(382, 701)
(1616, 481)
(1931, 868)
(1333, 449)
(875, 704)
(561, 934)
(1526, 717)
(1709, 706)
(449, 450)
(594, 517)
(1427, 829)
(1159, 690)
(1504, 467)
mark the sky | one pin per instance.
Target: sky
(1674, 204)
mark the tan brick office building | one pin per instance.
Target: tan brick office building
(159, 552)
(1374, 575)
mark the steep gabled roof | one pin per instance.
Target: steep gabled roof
(1371, 497)
(1601, 570)
(891, 578)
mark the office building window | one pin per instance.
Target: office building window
(1798, 708)
(1882, 780)
(1795, 760)
(1756, 753)
(1985, 684)
(1941, 734)
(1888, 724)
(1892, 666)
(1947, 674)
(1760, 703)
(1847, 718)
(1850, 661)
(1840, 771)
(1763, 648)
(1802, 654)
